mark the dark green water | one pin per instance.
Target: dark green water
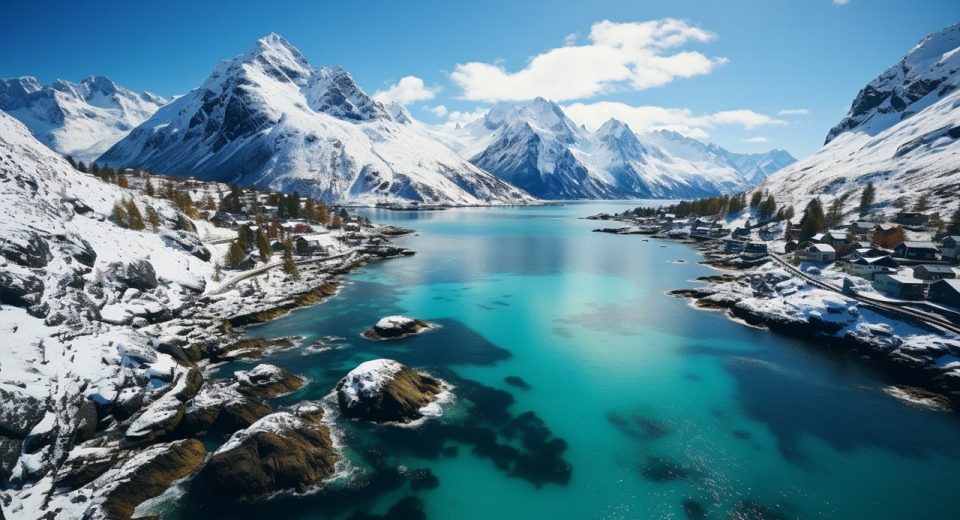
(638, 405)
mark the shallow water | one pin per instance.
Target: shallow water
(635, 405)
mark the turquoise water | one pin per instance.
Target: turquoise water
(637, 406)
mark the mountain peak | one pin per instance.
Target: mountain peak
(278, 57)
(924, 75)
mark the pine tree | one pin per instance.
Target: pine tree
(323, 214)
(148, 187)
(813, 220)
(82, 167)
(245, 236)
(954, 227)
(337, 222)
(289, 266)
(134, 219)
(768, 207)
(867, 198)
(153, 218)
(263, 245)
(122, 181)
(71, 161)
(343, 214)
(835, 213)
(217, 272)
(120, 214)
(94, 169)
(922, 204)
(756, 198)
(235, 255)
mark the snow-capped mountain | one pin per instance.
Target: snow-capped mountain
(270, 119)
(902, 133)
(753, 167)
(540, 149)
(78, 119)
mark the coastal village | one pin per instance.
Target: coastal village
(910, 258)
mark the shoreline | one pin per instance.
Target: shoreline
(742, 291)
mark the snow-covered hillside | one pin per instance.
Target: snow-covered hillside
(540, 149)
(79, 119)
(64, 266)
(270, 119)
(902, 133)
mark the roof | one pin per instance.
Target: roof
(919, 245)
(887, 227)
(903, 279)
(880, 260)
(823, 248)
(936, 268)
(953, 284)
(311, 238)
(955, 238)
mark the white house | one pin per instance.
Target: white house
(866, 267)
(818, 253)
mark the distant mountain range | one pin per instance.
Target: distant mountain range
(902, 133)
(78, 119)
(538, 148)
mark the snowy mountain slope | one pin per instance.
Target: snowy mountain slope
(538, 148)
(905, 153)
(79, 119)
(268, 118)
(926, 74)
(63, 265)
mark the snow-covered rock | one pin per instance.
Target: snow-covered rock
(288, 450)
(270, 119)
(384, 390)
(79, 119)
(902, 134)
(395, 327)
(540, 149)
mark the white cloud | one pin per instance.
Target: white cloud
(407, 90)
(793, 112)
(682, 120)
(458, 117)
(841, 2)
(619, 55)
(439, 110)
(570, 39)
(756, 140)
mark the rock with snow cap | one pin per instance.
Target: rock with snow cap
(384, 390)
(395, 327)
(267, 381)
(285, 451)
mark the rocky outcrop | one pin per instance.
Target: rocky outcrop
(20, 290)
(396, 327)
(188, 242)
(288, 450)
(25, 248)
(221, 407)
(384, 390)
(267, 381)
(149, 473)
(138, 274)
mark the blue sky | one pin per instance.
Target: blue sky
(724, 71)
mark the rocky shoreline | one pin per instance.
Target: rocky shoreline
(110, 455)
(752, 290)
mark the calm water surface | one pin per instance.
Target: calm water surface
(635, 405)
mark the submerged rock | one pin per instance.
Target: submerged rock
(395, 327)
(384, 390)
(288, 450)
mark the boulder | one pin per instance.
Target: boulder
(25, 248)
(288, 450)
(267, 381)
(9, 454)
(20, 290)
(149, 473)
(220, 406)
(78, 249)
(384, 390)
(19, 413)
(395, 327)
(138, 274)
(72, 307)
(188, 242)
